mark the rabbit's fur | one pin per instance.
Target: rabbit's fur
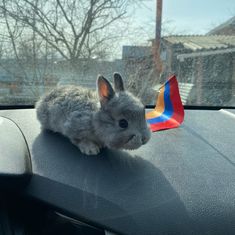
(92, 121)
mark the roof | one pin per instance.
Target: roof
(227, 28)
(202, 42)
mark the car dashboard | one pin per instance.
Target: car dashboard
(181, 182)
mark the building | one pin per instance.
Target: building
(227, 28)
(139, 72)
(204, 65)
(136, 59)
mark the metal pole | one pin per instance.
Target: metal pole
(158, 36)
(158, 20)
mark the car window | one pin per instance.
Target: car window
(45, 44)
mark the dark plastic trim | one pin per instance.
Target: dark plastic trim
(6, 107)
(195, 107)
(192, 107)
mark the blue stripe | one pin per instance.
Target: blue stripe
(168, 110)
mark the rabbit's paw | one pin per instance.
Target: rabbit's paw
(88, 148)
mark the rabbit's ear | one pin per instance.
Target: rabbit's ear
(105, 89)
(118, 82)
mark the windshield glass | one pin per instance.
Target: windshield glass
(44, 44)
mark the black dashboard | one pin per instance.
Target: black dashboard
(181, 182)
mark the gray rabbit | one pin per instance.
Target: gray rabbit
(113, 118)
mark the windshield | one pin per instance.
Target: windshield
(44, 44)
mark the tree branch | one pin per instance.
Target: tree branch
(67, 19)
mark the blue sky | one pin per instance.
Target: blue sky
(188, 16)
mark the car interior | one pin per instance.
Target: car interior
(181, 182)
(65, 67)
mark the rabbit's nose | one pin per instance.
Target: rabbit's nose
(144, 139)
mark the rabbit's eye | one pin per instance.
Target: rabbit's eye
(123, 123)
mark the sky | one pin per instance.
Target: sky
(187, 16)
(179, 17)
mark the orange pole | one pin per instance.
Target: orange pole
(157, 41)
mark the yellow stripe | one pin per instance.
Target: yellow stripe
(160, 106)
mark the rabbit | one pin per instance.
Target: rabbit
(111, 118)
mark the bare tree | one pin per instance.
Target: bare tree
(70, 29)
(25, 47)
(68, 26)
